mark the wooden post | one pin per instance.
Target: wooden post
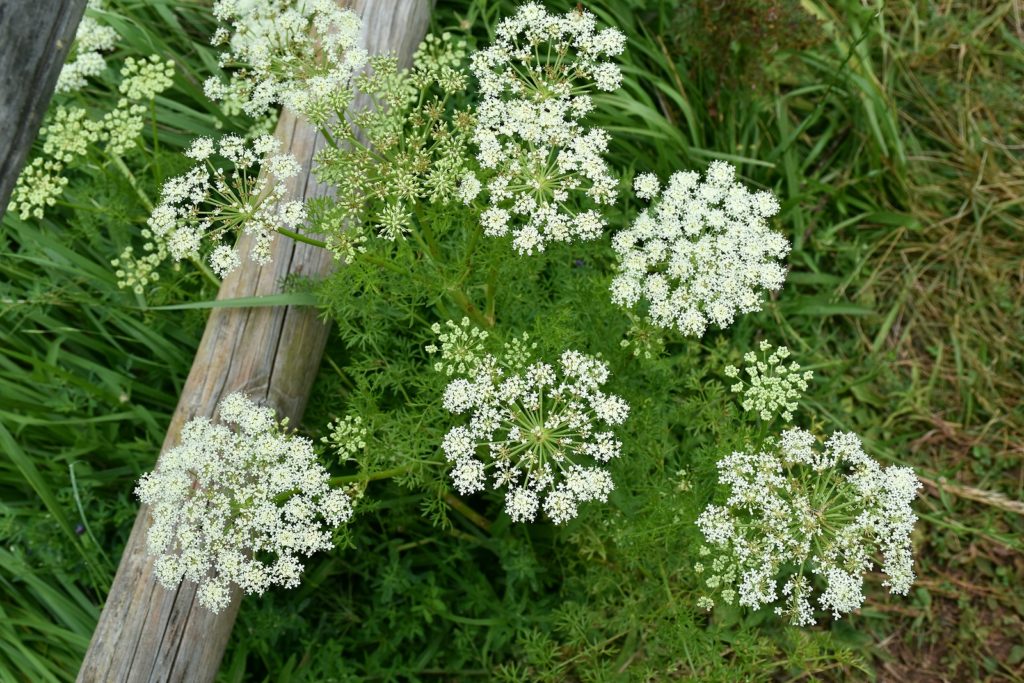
(148, 633)
(34, 40)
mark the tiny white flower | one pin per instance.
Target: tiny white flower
(201, 149)
(223, 260)
(646, 186)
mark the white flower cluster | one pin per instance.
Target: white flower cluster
(535, 82)
(771, 384)
(536, 433)
(549, 61)
(795, 513)
(702, 253)
(91, 40)
(239, 506)
(298, 53)
(210, 202)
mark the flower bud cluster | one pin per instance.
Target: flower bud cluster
(800, 516)
(346, 435)
(409, 148)
(70, 132)
(144, 79)
(461, 347)
(701, 253)
(238, 507)
(771, 385)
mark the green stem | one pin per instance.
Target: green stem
(489, 306)
(207, 273)
(372, 476)
(298, 237)
(467, 512)
(463, 302)
(156, 140)
(384, 263)
(119, 163)
(328, 137)
(433, 254)
(471, 248)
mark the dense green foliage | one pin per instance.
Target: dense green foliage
(895, 162)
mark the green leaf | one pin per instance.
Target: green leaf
(286, 299)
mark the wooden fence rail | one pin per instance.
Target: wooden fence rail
(272, 354)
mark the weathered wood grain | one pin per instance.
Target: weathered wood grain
(147, 633)
(34, 40)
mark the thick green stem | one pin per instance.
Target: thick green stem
(425, 239)
(462, 301)
(298, 237)
(126, 172)
(492, 288)
(351, 479)
(372, 476)
(467, 512)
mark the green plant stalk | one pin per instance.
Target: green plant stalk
(299, 237)
(126, 172)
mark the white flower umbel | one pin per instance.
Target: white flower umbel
(541, 166)
(771, 386)
(238, 506)
(298, 53)
(547, 65)
(701, 253)
(92, 39)
(539, 433)
(210, 202)
(534, 191)
(799, 515)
